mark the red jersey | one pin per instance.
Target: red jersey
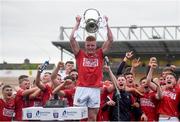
(90, 69)
(38, 100)
(103, 115)
(6, 110)
(104, 94)
(169, 103)
(21, 102)
(46, 94)
(148, 104)
(69, 94)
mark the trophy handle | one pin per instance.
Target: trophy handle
(91, 9)
(91, 21)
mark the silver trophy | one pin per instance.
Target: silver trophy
(92, 20)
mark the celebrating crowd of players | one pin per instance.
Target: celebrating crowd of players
(149, 99)
(119, 99)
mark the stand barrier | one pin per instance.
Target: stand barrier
(66, 113)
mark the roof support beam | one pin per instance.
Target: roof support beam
(165, 47)
(130, 47)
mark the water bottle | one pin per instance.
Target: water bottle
(43, 66)
(106, 59)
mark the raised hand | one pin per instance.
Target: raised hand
(106, 18)
(129, 55)
(78, 19)
(106, 68)
(136, 62)
(154, 65)
(153, 62)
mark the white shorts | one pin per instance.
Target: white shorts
(87, 97)
(171, 119)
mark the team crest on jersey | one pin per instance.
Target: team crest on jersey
(90, 62)
(146, 102)
(8, 112)
(169, 94)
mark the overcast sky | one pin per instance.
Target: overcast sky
(28, 26)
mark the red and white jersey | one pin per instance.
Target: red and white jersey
(21, 102)
(90, 69)
(169, 103)
(6, 109)
(148, 103)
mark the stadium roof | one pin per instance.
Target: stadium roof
(145, 41)
(153, 47)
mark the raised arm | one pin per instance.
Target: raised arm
(29, 91)
(55, 72)
(59, 88)
(134, 64)
(112, 77)
(107, 44)
(159, 94)
(38, 81)
(127, 56)
(153, 65)
(34, 94)
(73, 43)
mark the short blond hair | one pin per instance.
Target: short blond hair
(90, 38)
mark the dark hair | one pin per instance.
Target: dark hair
(6, 86)
(142, 79)
(167, 69)
(73, 70)
(128, 73)
(21, 78)
(69, 62)
(175, 76)
(68, 77)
